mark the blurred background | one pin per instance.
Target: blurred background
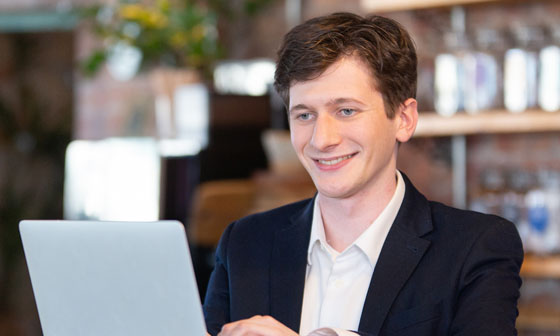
(163, 109)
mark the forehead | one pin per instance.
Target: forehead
(348, 77)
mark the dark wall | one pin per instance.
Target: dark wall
(36, 99)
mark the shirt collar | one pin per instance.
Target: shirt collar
(372, 239)
(317, 230)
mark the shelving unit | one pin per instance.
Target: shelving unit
(430, 124)
(535, 266)
(395, 5)
(461, 125)
(536, 317)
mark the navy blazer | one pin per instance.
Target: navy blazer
(441, 271)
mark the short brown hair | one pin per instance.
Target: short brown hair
(382, 43)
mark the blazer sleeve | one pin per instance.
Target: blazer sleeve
(216, 303)
(490, 282)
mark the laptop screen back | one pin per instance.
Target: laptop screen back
(112, 278)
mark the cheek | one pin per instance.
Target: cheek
(363, 137)
(298, 138)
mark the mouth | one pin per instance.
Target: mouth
(334, 161)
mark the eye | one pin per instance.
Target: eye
(304, 116)
(347, 112)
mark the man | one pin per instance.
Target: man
(369, 254)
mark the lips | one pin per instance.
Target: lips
(334, 162)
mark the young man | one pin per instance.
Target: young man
(369, 254)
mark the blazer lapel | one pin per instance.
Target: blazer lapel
(288, 267)
(402, 251)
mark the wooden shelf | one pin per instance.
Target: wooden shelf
(541, 266)
(538, 319)
(431, 124)
(395, 5)
(541, 316)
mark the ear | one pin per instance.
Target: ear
(407, 118)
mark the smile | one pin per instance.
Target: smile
(334, 161)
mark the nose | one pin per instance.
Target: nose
(326, 133)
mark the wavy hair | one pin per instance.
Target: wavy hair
(382, 43)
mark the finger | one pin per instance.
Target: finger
(256, 326)
(267, 320)
(245, 328)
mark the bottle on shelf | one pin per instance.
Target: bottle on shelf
(531, 200)
(491, 185)
(449, 68)
(520, 69)
(549, 71)
(483, 84)
(514, 209)
(448, 77)
(543, 214)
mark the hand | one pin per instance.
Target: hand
(256, 326)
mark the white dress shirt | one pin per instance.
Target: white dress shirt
(337, 283)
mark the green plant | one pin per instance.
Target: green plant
(175, 33)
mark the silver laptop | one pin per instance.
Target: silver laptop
(112, 278)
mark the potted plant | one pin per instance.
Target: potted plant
(151, 34)
(175, 41)
(147, 34)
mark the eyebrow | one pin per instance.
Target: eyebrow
(298, 107)
(343, 100)
(332, 102)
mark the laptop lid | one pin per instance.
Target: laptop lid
(112, 278)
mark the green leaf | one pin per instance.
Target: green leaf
(93, 63)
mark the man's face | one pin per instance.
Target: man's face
(341, 133)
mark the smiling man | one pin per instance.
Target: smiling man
(368, 254)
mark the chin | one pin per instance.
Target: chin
(335, 192)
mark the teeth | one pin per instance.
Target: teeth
(335, 161)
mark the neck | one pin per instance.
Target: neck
(346, 219)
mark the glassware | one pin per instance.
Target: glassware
(449, 68)
(549, 72)
(543, 214)
(482, 72)
(520, 70)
